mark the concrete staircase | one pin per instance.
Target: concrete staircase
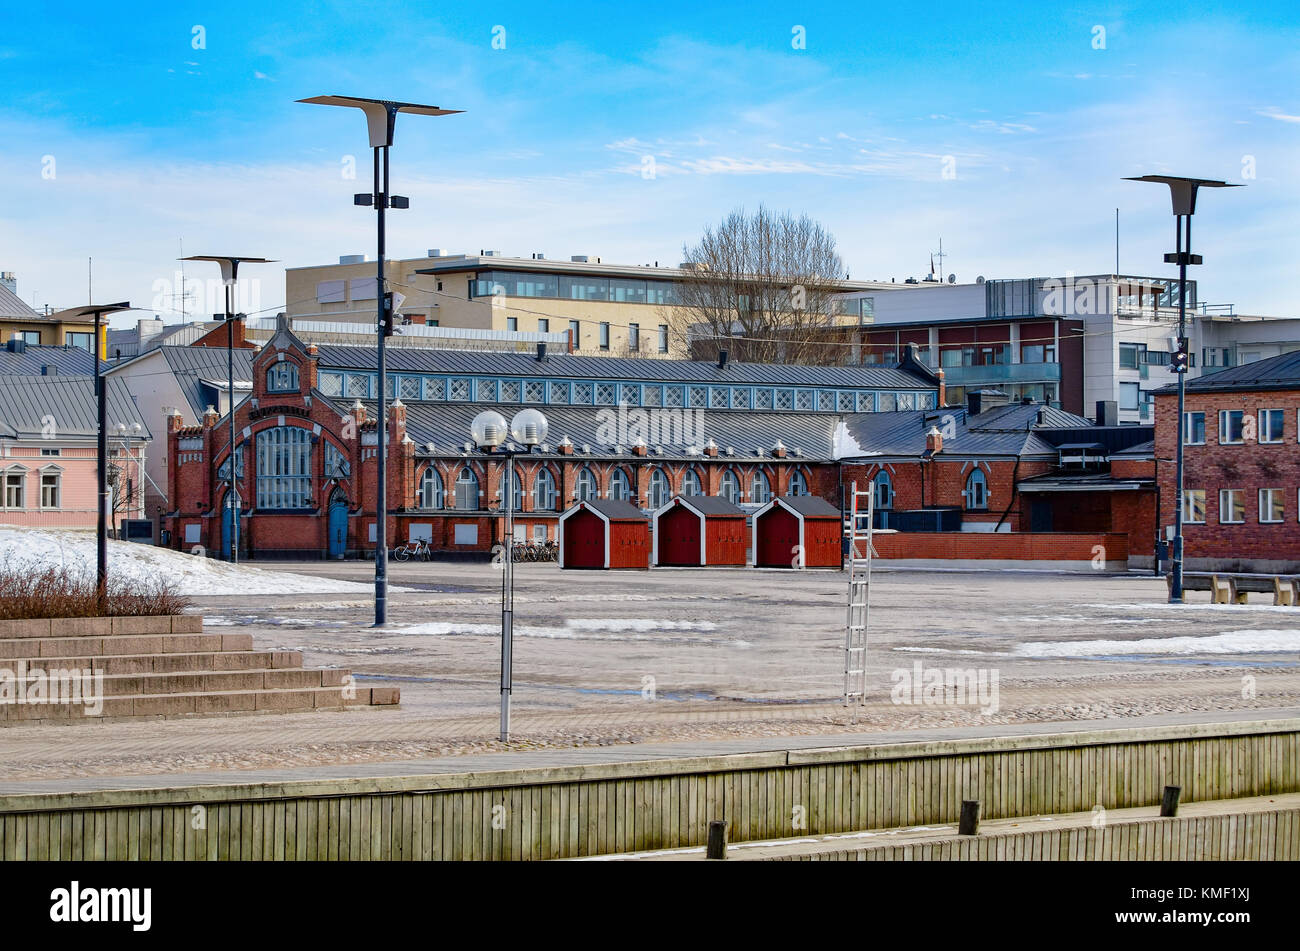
(133, 667)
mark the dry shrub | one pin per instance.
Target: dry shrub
(56, 592)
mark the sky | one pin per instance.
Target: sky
(1003, 130)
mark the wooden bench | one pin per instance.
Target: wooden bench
(1233, 587)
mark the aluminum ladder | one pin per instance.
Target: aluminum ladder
(858, 530)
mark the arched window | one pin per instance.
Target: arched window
(466, 489)
(760, 489)
(584, 487)
(884, 489)
(977, 489)
(517, 497)
(729, 487)
(544, 490)
(691, 484)
(661, 489)
(284, 468)
(282, 377)
(430, 488)
(798, 484)
(620, 486)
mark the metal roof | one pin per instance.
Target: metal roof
(191, 366)
(903, 435)
(446, 425)
(13, 306)
(649, 370)
(30, 407)
(616, 510)
(65, 361)
(1021, 416)
(1085, 482)
(1276, 373)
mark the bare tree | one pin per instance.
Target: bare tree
(760, 286)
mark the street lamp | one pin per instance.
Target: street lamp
(99, 311)
(1183, 193)
(489, 431)
(381, 115)
(229, 275)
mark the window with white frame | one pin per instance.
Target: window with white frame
(1230, 426)
(466, 490)
(1194, 506)
(652, 395)
(534, 391)
(672, 396)
(435, 389)
(51, 489)
(698, 397)
(410, 388)
(517, 496)
(1194, 429)
(431, 488)
(282, 377)
(458, 390)
(977, 490)
(760, 488)
(331, 384)
(762, 399)
(620, 487)
(1232, 506)
(605, 394)
(510, 391)
(739, 398)
(544, 491)
(661, 489)
(729, 487)
(1270, 425)
(284, 468)
(691, 484)
(585, 486)
(630, 394)
(1271, 506)
(359, 385)
(582, 394)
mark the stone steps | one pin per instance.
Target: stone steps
(158, 667)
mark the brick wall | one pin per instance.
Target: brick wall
(944, 484)
(1018, 547)
(1248, 466)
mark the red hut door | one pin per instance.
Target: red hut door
(679, 537)
(584, 541)
(778, 535)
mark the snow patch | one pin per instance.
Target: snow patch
(1229, 642)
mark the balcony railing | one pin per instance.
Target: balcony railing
(1002, 373)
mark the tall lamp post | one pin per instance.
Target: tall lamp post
(381, 115)
(229, 275)
(489, 430)
(99, 312)
(1183, 193)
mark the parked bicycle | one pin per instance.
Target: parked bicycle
(416, 548)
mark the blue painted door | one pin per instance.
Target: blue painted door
(227, 520)
(338, 526)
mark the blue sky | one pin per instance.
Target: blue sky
(150, 139)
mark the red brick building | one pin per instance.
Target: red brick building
(1241, 509)
(306, 454)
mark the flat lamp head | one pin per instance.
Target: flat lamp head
(1183, 190)
(380, 113)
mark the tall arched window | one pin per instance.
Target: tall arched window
(691, 484)
(620, 486)
(661, 490)
(729, 487)
(430, 488)
(544, 491)
(584, 487)
(798, 484)
(517, 496)
(977, 489)
(282, 377)
(884, 489)
(466, 489)
(760, 489)
(284, 468)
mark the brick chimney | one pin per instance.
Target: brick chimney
(565, 447)
(210, 417)
(711, 449)
(942, 399)
(778, 449)
(639, 449)
(934, 441)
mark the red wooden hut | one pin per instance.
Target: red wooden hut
(698, 530)
(797, 531)
(604, 533)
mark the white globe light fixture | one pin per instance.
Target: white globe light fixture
(529, 427)
(489, 429)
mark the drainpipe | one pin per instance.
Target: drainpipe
(1015, 493)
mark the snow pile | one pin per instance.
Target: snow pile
(37, 550)
(1229, 642)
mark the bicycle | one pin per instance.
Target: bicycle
(417, 547)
